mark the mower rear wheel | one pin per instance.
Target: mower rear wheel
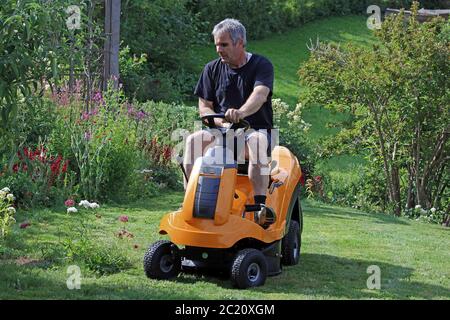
(290, 245)
(160, 262)
(249, 269)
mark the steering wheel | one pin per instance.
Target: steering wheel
(208, 120)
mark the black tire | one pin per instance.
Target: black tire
(160, 263)
(249, 269)
(291, 244)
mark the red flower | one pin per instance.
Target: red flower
(123, 218)
(302, 179)
(25, 225)
(69, 203)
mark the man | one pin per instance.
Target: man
(238, 84)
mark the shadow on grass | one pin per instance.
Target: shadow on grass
(28, 282)
(346, 213)
(321, 276)
(169, 201)
(318, 276)
(344, 278)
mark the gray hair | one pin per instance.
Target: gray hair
(234, 27)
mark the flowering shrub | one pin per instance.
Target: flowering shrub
(39, 164)
(314, 187)
(7, 211)
(124, 232)
(83, 203)
(72, 210)
(292, 133)
(159, 153)
(97, 257)
(431, 215)
(88, 205)
(69, 203)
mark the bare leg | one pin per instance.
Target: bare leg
(196, 145)
(258, 169)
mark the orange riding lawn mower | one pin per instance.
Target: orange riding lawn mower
(219, 227)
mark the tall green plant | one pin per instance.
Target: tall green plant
(395, 94)
(27, 54)
(7, 211)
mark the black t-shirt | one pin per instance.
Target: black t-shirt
(230, 88)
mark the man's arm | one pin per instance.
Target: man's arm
(206, 107)
(251, 106)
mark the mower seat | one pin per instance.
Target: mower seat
(243, 168)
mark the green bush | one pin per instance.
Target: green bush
(121, 151)
(263, 17)
(101, 259)
(292, 133)
(161, 29)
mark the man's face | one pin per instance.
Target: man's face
(228, 52)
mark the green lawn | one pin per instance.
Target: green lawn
(338, 247)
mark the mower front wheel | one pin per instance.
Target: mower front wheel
(160, 262)
(249, 269)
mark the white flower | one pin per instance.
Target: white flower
(418, 206)
(6, 190)
(72, 210)
(94, 205)
(2, 195)
(11, 210)
(433, 210)
(10, 197)
(85, 204)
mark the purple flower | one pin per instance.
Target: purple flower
(131, 111)
(140, 115)
(98, 98)
(94, 112)
(123, 218)
(87, 135)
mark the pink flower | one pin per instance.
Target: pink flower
(25, 225)
(123, 218)
(69, 203)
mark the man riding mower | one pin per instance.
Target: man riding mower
(219, 225)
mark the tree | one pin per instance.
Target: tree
(28, 54)
(397, 96)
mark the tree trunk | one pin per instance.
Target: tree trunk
(396, 199)
(410, 202)
(384, 153)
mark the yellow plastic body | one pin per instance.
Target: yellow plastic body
(229, 226)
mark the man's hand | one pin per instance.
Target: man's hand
(234, 115)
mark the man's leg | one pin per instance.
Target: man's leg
(196, 145)
(258, 169)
